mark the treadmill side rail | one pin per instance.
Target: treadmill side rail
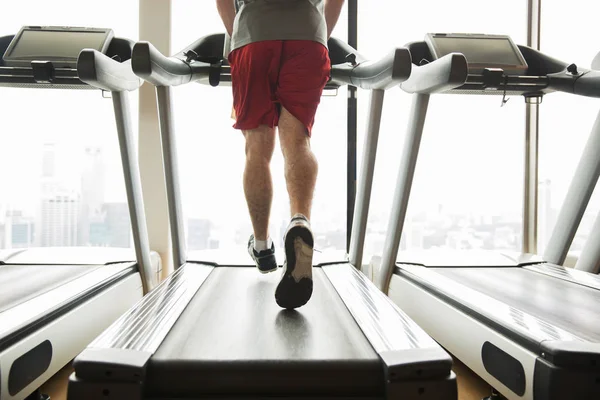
(121, 352)
(567, 274)
(409, 355)
(528, 330)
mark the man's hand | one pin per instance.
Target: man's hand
(333, 8)
(226, 10)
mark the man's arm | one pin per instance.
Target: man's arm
(333, 8)
(226, 10)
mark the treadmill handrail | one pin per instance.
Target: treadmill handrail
(152, 66)
(390, 71)
(100, 71)
(446, 73)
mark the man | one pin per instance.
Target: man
(279, 67)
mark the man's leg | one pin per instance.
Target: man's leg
(304, 72)
(258, 189)
(258, 185)
(254, 71)
(301, 166)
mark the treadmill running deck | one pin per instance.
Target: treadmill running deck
(566, 305)
(235, 318)
(29, 281)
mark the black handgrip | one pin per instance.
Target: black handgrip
(446, 73)
(99, 70)
(152, 66)
(588, 84)
(388, 72)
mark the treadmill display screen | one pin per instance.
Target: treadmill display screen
(480, 50)
(36, 44)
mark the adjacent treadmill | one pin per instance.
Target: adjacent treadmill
(530, 328)
(55, 301)
(213, 330)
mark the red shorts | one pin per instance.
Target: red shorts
(269, 74)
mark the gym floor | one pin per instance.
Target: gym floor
(470, 386)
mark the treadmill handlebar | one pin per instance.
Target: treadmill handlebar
(588, 84)
(99, 70)
(441, 75)
(348, 66)
(388, 72)
(151, 65)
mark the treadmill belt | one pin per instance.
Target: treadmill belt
(29, 281)
(233, 339)
(564, 304)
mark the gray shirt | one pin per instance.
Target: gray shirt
(259, 20)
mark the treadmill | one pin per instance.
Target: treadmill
(213, 330)
(55, 301)
(529, 327)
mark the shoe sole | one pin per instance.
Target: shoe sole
(267, 271)
(296, 285)
(263, 271)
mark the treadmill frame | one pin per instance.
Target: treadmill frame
(21, 359)
(414, 366)
(544, 362)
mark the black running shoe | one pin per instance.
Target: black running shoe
(296, 285)
(265, 259)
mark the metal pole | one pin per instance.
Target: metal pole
(589, 260)
(530, 203)
(352, 126)
(530, 192)
(576, 201)
(365, 183)
(133, 186)
(169, 150)
(406, 173)
(155, 27)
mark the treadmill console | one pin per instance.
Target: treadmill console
(483, 52)
(59, 45)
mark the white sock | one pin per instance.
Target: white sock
(260, 245)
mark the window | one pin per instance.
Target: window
(565, 120)
(60, 170)
(468, 187)
(211, 155)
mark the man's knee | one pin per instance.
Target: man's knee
(260, 143)
(293, 134)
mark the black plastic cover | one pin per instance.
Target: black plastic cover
(99, 390)
(414, 364)
(555, 383)
(572, 354)
(120, 365)
(28, 367)
(504, 367)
